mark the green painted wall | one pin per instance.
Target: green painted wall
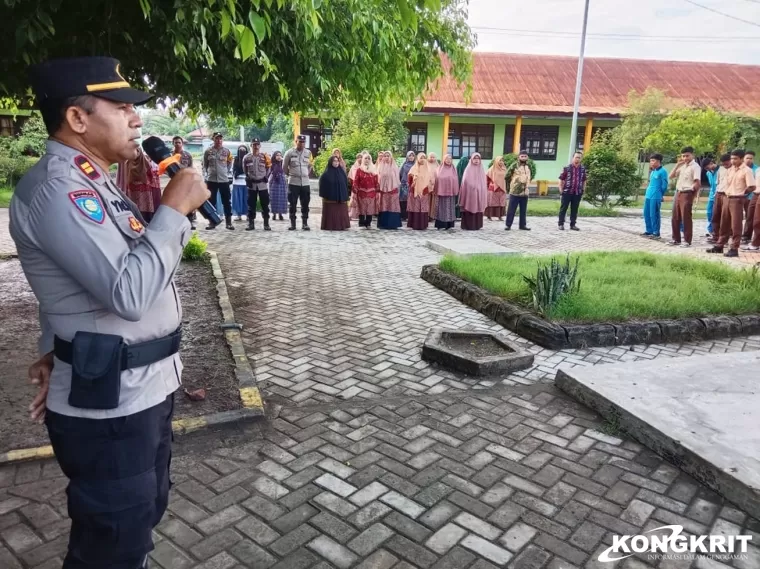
(545, 169)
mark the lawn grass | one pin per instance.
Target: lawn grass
(616, 287)
(5, 196)
(550, 208)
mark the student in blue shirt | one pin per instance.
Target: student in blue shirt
(711, 171)
(658, 185)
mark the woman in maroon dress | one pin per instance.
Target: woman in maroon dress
(473, 195)
(364, 191)
(420, 187)
(497, 189)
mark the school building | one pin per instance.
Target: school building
(522, 101)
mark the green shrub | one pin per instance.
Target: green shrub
(195, 250)
(510, 159)
(610, 173)
(552, 283)
(12, 169)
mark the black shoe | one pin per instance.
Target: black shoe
(731, 253)
(230, 227)
(210, 227)
(251, 226)
(266, 226)
(305, 227)
(573, 228)
(507, 228)
(715, 249)
(561, 227)
(292, 225)
(525, 229)
(192, 226)
(645, 234)
(282, 218)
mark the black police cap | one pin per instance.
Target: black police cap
(255, 141)
(301, 138)
(62, 78)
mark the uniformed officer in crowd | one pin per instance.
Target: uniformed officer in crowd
(296, 164)
(217, 169)
(256, 166)
(109, 311)
(186, 160)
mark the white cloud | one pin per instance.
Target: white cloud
(706, 33)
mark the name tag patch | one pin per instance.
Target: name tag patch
(88, 203)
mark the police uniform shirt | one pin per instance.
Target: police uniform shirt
(217, 164)
(94, 266)
(295, 164)
(255, 166)
(185, 159)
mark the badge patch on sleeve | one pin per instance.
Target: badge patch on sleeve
(135, 225)
(87, 169)
(88, 203)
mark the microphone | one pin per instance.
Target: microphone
(157, 151)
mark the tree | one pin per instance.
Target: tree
(642, 116)
(610, 173)
(282, 130)
(747, 133)
(705, 129)
(161, 123)
(31, 140)
(249, 58)
(361, 129)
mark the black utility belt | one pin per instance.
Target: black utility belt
(257, 180)
(97, 361)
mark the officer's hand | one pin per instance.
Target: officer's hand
(39, 374)
(186, 191)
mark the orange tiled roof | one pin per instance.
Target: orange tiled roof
(506, 83)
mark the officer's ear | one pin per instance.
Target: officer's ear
(77, 114)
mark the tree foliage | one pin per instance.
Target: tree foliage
(747, 134)
(642, 116)
(248, 58)
(706, 129)
(611, 172)
(361, 129)
(161, 123)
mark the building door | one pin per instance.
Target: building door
(313, 141)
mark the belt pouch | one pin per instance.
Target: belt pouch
(96, 370)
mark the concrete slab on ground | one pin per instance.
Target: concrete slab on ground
(699, 412)
(469, 247)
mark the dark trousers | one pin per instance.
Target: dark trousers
(365, 220)
(224, 188)
(253, 196)
(572, 200)
(403, 204)
(514, 202)
(750, 215)
(118, 471)
(296, 193)
(731, 222)
(721, 202)
(682, 215)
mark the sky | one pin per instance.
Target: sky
(677, 29)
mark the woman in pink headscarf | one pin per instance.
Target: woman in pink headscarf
(433, 164)
(389, 208)
(420, 188)
(446, 190)
(497, 189)
(473, 195)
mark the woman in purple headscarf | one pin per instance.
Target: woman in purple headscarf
(473, 195)
(277, 187)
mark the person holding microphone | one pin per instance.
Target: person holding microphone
(109, 311)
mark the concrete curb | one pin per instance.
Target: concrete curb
(253, 405)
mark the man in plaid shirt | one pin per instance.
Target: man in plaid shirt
(573, 179)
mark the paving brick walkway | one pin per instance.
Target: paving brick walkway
(372, 458)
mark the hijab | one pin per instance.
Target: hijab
(474, 191)
(387, 174)
(498, 174)
(433, 164)
(461, 165)
(368, 168)
(355, 167)
(446, 181)
(276, 166)
(406, 166)
(336, 151)
(333, 183)
(421, 175)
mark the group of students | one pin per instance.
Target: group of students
(732, 207)
(421, 191)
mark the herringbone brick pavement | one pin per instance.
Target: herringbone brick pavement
(336, 316)
(516, 477)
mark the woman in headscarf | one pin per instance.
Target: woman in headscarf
(473, 195)
(497, 189)
(403, 189)
(461, 165)
(433, 165)
(446, 190)
(337, 152)
(140, 181)
(278, 192)
(420, 187)
(333, 189)
(389, 216)
(239, 188)
(364, 191)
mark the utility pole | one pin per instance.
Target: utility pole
(578, 83)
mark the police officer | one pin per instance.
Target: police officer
(109, 310)
(186, 160)
(296, 165)
(255, 165)
(217, 169)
